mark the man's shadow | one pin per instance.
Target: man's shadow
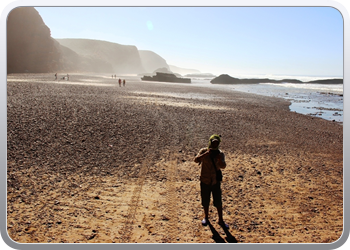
(218, 239)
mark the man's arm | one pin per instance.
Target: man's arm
(221, 161)
(201, 154)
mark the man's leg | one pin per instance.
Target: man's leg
(221, 220)
(218, 202)
(206, 213)
(219, 208)
(205, 195)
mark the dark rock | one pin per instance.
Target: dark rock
(226, 79)
(165, 77)
(166, 218)
(328, 81)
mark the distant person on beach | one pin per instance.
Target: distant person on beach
(120, 82)
(56, 76)
(211, 160)
(124, 82)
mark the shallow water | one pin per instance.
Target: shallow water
(179, 95)
(318, 100)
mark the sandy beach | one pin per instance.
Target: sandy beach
(91, 162)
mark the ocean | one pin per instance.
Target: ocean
(318, 100)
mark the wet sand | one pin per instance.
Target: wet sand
(89, 161)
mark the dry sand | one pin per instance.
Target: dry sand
(89, 161)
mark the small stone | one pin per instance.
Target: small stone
(165, 218)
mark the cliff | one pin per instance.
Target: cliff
(152, 61)
(182, 71)
(201, 75)
(30, 47)
(106, 57)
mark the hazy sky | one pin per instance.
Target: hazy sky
(235, 40)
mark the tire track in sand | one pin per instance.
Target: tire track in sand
(171, 215)
(126, 231)
(166, 124)
(133, 205)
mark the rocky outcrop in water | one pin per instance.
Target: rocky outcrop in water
(165, 77)
(226, 79)
(328, 81)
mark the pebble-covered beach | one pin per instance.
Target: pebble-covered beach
(90, 161)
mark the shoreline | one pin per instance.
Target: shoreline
(307, 101)
(103, 163)
(310, 106)
(227, 79)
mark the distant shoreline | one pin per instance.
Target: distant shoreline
(226, 79)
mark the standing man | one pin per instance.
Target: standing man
(211, 160)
